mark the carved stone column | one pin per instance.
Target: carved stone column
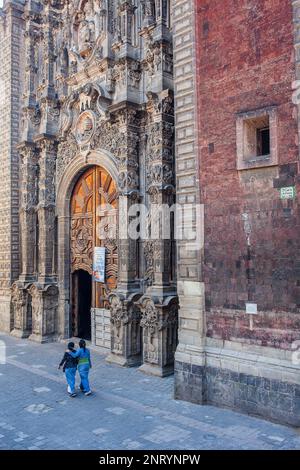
(44, 312)
(160, 326)
(126, 340)
(28, 226)
(159, 305)
(28, 216)
(45, 292)
(148, 10)
(123, 316)
(126, 12)
(46, 210)
(31, 111)
(22, 310)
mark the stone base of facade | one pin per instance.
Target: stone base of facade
(271, 398)
(42, 339)
(20, 333)
(6, 317)
(133, 361)
(152, 369)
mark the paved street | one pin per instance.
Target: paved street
(128, 410)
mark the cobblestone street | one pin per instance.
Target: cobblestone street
(128, 410)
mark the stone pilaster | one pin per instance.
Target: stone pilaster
(158, 304)
(190, 350)
(126, 340)
(160, 324)
(46, 209)
(44, 293)
(11, 81)
(28, 231)
(44, 302)
(31, 111)
(28, 216)
(21, 310)
(124, 317)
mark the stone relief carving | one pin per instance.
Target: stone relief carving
(126, 332)
(95, 82)
(67, 150)
(85, 127)
(19, 297)
(82, 244)
(149, 262)
(44, 301)
(160, 324)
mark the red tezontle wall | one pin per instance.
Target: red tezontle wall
(245, 61)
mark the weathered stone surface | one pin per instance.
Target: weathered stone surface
(276, 400)
(98, 90)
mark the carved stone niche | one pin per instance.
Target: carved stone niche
(44, 302)
(160, 335)
(126, 341)
(20, 299)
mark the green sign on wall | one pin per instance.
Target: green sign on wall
(288, 193)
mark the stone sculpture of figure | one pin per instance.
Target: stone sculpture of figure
(86, 30)
(148, 12)
(149, 8)
(100, 13)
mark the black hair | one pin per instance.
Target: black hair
(71, 345)
(82, 344)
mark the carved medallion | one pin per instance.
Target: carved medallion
(85, 127)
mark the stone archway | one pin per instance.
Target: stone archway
(78, 167)
(94, 215)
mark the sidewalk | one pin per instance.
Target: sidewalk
(128, 410)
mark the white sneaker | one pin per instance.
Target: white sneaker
(88, 393)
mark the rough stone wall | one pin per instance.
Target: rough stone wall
(11, 25)
(246, 63)
(244, 66)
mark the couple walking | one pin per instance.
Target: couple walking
(72, 360)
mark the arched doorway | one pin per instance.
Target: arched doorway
(94, 205)
(81, 302)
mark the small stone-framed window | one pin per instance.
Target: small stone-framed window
(257, 139)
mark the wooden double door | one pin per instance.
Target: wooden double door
(94, 223)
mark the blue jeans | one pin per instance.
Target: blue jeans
(70, 376)
(84, 376)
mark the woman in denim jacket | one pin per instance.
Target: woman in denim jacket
(84, 365)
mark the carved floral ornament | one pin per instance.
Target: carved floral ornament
(124, 310)
(156, 316)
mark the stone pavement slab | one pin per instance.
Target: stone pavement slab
(128, 410)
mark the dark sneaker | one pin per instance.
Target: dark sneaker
(73, 395)
(88, 393)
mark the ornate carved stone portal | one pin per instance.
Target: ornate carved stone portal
(94, 210)
(97, 128)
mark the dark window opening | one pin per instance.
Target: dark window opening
(263, 141)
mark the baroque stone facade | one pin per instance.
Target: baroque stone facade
(97, 92)
(96, 124)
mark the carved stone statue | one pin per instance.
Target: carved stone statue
(101, 13)
(86, 30)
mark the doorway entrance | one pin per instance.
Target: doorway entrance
(82, 297)
(94, 211)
